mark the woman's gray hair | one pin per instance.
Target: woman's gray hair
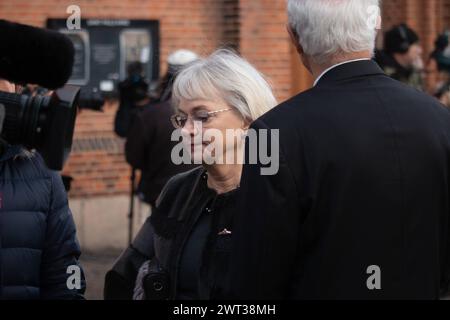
(326, 28)
(225, 75)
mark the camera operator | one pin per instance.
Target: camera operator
(149, 146)
(401, 56)
(439, 69)
(38, 248)
(133, 93)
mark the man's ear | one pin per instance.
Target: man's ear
(294, 39)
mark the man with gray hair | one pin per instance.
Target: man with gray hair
(359, 208)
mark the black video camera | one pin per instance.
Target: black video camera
(45, 123)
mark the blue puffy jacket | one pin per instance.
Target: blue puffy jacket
(38, 246)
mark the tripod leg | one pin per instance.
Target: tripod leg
(131, 213)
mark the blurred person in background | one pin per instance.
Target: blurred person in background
(133, 94)
(39, 250)
(401, 57)
(148, 145)
(439, 69)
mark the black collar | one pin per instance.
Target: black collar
(350, 70)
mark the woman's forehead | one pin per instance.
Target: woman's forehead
(187, 106)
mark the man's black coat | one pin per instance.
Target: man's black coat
(359, 208)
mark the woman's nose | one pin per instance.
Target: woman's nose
(190, 128)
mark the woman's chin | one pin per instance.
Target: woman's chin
(196, 156)
(202, 158)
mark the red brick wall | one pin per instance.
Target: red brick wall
(255, 27)
(231, 24)
(393, 12)
(97, 162)
(446, 13)
(265, 42)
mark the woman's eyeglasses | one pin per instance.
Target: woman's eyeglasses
(179, 120)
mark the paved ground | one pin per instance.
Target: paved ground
(95, 266)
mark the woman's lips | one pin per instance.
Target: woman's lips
(193, 146)
(202, 144)
(199, 146)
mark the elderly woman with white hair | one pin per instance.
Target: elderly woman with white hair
(192, 223)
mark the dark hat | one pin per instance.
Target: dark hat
(399, 39)
(442, 41)
(442, 52)
(135, 68)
